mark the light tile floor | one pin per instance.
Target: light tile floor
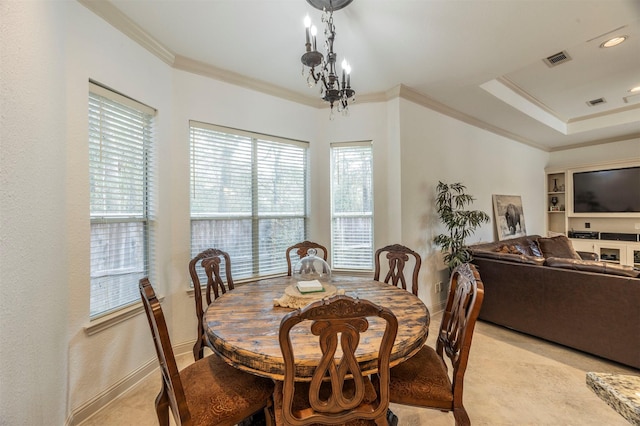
(512, 379)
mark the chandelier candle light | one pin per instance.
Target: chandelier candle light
(333, 90)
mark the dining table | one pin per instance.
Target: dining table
(242, 325)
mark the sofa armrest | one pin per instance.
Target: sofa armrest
(592, 266)
(588, 255)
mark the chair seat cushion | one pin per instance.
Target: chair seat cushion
(219, 394)
(422, 380)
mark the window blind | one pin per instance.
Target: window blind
(120, 173)
(352, 206)
(248, 197)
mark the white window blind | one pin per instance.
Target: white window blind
(248, 197)
(352, 206)
(120, 173)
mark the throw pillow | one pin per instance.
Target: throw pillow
(535, 250)
(523, 249)
(559, 246)
(514, 250)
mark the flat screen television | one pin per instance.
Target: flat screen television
(607, 191)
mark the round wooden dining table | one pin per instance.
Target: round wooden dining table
(242, 326)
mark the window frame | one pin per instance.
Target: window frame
(335, 244)
(144, 147)
(254, 216)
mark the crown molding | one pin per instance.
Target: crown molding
(411, 95)
(112, 15)
(623, 115)
(524, 94)
(206, 70)
(620, 110)
(597, 142)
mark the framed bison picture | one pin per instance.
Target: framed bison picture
(509, 216)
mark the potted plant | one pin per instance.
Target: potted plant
(451, 201)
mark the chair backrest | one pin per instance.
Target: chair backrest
(208, 260)
(398, 257)
(459, 319)
(211, 267)
(301, 250)
(170, 375)
(338, 389)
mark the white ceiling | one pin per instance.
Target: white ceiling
(478, 60)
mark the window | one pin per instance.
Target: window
(352, 205)
(120, 173)
(248, 197)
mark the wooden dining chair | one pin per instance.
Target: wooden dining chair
(398, 257)
(301, 250)
(339, 392)
(424, 380)
(208, 261)
(207, 392)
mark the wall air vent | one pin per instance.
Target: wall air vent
(557, 59)
(594, 102)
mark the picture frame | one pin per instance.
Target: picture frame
(509, 216)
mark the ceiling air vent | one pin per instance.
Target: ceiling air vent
(557, 59)
(595, 102)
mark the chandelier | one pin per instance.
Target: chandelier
(319, 68)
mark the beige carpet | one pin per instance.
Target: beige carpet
(512, 379)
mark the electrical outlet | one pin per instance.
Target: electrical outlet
(438, 287)
(587, 225)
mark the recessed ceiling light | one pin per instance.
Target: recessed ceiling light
(614, 41)
(635, 89)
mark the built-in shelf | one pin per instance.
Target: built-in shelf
(560, 219)
(556, 203)
(621, 252)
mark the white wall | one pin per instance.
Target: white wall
(94, 50)
(438, 148)
(34, 244)
(52, 370)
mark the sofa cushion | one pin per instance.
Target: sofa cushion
(559, 246)
(593, 266)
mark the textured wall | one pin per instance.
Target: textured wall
(33, 267)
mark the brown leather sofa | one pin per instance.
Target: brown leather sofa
(560, 297)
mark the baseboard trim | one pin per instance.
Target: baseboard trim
(437, 309)
(103, 399)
